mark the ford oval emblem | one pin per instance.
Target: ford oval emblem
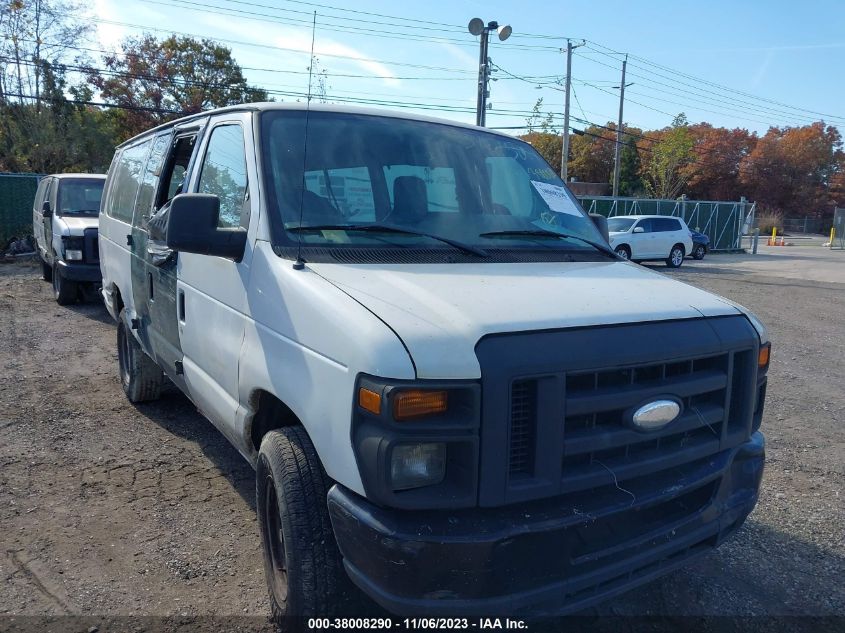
(655, 415)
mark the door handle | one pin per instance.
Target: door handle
(182, 306)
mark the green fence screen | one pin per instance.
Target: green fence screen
(17, 192)
(724, 222)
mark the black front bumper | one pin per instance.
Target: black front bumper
(548, 557)
(82, 272)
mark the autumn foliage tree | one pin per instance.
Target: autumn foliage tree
(795, 170)
(718, 153)
(154, 80)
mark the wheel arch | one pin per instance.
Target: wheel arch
(271, 413)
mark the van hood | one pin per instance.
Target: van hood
(440, 311)
(77, 225)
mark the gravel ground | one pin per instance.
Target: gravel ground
(109, 510)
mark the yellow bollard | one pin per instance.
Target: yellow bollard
(774, 240)
(832, 235)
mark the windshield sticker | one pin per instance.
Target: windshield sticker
(555, 196)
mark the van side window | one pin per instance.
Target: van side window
(39, 194)
(224, 173)
(172, 179)
(143, 205)
(127, 182)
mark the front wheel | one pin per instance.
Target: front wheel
(301, 559)
(676, 256)
(623, 251)
(699, 251)
(64, 290)
(140, 377)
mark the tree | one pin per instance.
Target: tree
(795, 170)
(592, 153)
(718, 152)
(664, 175)
(33, 32)
(543, 135)
(154, 81)
(59, 135)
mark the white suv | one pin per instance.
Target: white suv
(650, 237)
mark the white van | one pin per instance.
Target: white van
(452, 391)
(64, 222)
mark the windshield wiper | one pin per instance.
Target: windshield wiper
(544, 233)
(389, 228)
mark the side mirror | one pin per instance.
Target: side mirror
(192, 228)
(46, 211)
(639, 229)
(601, 224)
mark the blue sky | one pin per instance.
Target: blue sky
(775, 62)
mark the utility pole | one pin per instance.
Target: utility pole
(483, 78)
(564, 158)
(618, 159)
(477, 27)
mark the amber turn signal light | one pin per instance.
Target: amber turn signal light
(416, 403)
(369, 400)
(764, 355)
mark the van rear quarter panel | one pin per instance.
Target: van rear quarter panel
(306, 344)
(115, 256)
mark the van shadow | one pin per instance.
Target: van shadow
(176, 414)
(92, 308)
(760, 579)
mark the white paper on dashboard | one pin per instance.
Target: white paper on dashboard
(556, 197)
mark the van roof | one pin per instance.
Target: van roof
(641, 217)
(315, 107)
(79, 175)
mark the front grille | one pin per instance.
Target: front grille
(523, 411)
(91, 247)
(597, 439)
(600, 445)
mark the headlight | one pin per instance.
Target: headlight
(72, 246)
(416, 441)
(417, 465)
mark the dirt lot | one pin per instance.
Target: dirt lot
(108, 509)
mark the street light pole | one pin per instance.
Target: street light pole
(477, 27)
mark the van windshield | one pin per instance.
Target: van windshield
(387, 183)
(80, 196)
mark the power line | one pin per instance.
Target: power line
(698, 93)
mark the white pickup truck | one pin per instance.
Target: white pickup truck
(454, 393)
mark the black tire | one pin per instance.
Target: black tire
(64, 290)
(46, 271)
(699, 251)
(623, 251)
(676, 256)
(140, 377)
(302, 564)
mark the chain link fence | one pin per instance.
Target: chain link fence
(814, 226)
(724, 222)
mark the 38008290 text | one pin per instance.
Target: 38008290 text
(413, 624)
